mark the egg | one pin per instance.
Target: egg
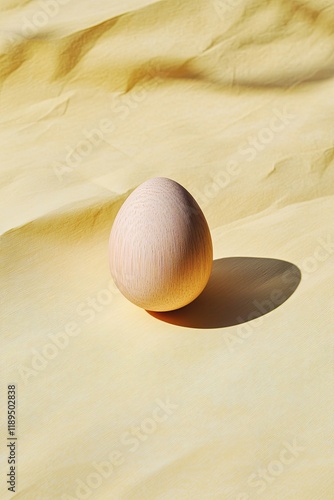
(160, 247)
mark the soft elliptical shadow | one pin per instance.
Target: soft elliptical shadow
(240, 289)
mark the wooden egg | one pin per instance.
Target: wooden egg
(160, 247)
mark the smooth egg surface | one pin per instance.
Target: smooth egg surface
(160, 247)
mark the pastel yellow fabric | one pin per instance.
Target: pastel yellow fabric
(234, 100)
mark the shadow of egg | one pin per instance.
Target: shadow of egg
(239, 289)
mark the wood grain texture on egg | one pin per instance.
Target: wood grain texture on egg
(160, 247)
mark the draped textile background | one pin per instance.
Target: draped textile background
(234, 100)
